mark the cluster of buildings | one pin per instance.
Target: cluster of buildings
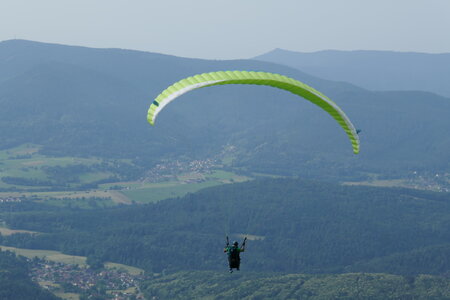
(170, 169)
(10, 199)
(438, 182)
(54, 276)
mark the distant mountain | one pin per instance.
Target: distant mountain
(83, 102)
(373, 70)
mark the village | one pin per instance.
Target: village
(432, 181)
(169, 170)
(10, 199)
(71, 278)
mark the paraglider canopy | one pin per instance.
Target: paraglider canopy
(258, 78)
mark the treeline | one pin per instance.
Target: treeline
(70, 174)
(26, 181)
(15, 282)
(39, 185)
(208, 285)
(295, 226)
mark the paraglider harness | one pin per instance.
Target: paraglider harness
(234, 259)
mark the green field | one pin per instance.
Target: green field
(128, 192)
(185, 184)
(163, 191)
(67, 296)
(50, 255)
(26, 163)
(6, 231)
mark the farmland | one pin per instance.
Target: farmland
(28, 175)
(58, 257)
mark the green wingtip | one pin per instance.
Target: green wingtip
(149, 119)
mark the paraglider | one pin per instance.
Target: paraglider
(234, 252)
(257, 78)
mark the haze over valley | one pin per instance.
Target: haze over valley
(119, 208)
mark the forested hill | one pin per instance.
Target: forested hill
(374, 70)
(294, 226)
(212, 285)
(93, 102)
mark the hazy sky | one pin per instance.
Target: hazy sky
(231, 28)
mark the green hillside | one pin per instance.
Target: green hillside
(210, 285)
(75, 101)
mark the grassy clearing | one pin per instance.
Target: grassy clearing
(170, 190)
(6, 231)
(129, 269)
(94, 176)
(265, 175)
(119, 198)
(67, 296)
(57, 256)
(50, 255)
(186, 183)
(227, 177)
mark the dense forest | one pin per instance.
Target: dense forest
(295, 226)
(212, 285)
(15, 282)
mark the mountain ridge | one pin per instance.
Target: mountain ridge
(372, 69)
(108, 92)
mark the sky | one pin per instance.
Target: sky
(231, 29)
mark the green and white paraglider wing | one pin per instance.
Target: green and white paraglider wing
(259, 78)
